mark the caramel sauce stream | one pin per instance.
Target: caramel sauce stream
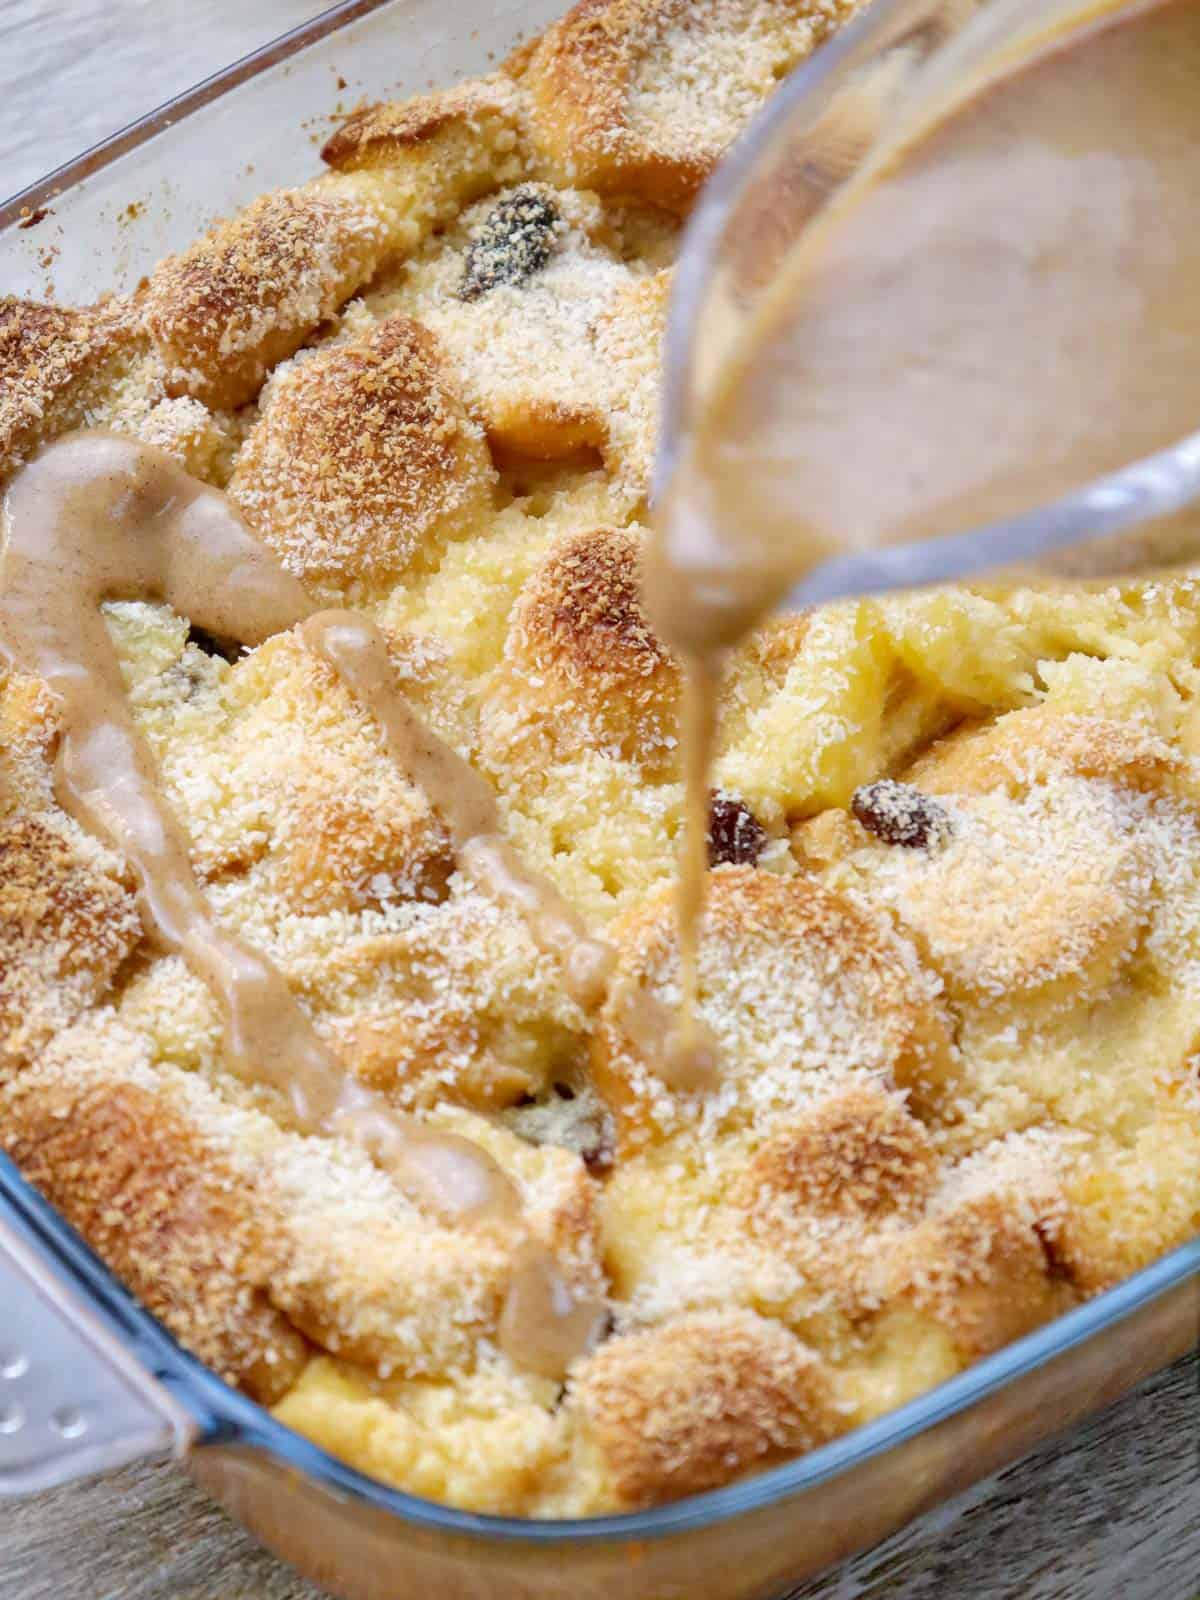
(96, 517)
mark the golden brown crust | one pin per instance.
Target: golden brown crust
(49, 360)
(246, 295)
(860, 1154)
(364, 459)
(802, 989)
(481, 109)
(981, 1272)
(1081, 886)
(418, 163)
(582, 614)
(29, 725)
(454, 1005)
(641, 97)
(405, 1051)
(582, 667)
(1027, 747)
(165, 1212)
(65, 927)
(344, 854)
(684, 1408)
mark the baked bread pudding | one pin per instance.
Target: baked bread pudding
(951, 954)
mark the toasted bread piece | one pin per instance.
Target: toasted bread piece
(162, 1204)
(220, 1219)
(860, 1153)
(436, 152)
(54, 360)
(29, 727)
(629, 337)
(347, 853)
(801, 988)
(251, 291)
(364, 461)
(248, 293)
(582, 668)
(1019, 854)
(60, 367)
(978, 1263)
(516, 290)
(580, 716)
(1044, 898)
(451, 1002)
(67, 921)
(641, 98)
(390, 1288)
(699, 1401)
(1016, 751)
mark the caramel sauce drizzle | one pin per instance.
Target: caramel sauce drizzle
(464, 800)
(96, 517)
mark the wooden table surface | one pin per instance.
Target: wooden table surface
(1112, 1510)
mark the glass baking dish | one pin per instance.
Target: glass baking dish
(90, 1381)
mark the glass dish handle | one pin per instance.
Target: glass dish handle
(73, 1400)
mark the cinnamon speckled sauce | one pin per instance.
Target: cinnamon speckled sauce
(98, 517)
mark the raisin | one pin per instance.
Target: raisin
(227, 649)
(1049, 1236)
(899, 814)
(572, 1119)
(516, 241)
(735, 835)
(598, 1157)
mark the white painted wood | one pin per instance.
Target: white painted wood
(74, 71)
(1112, 1511)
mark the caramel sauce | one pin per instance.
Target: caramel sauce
(464, 800)
(96, 517)
(985, 316)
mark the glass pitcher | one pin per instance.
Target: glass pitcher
(900, 70)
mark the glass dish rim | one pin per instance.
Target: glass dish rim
(97, 156)
(225, 1416)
